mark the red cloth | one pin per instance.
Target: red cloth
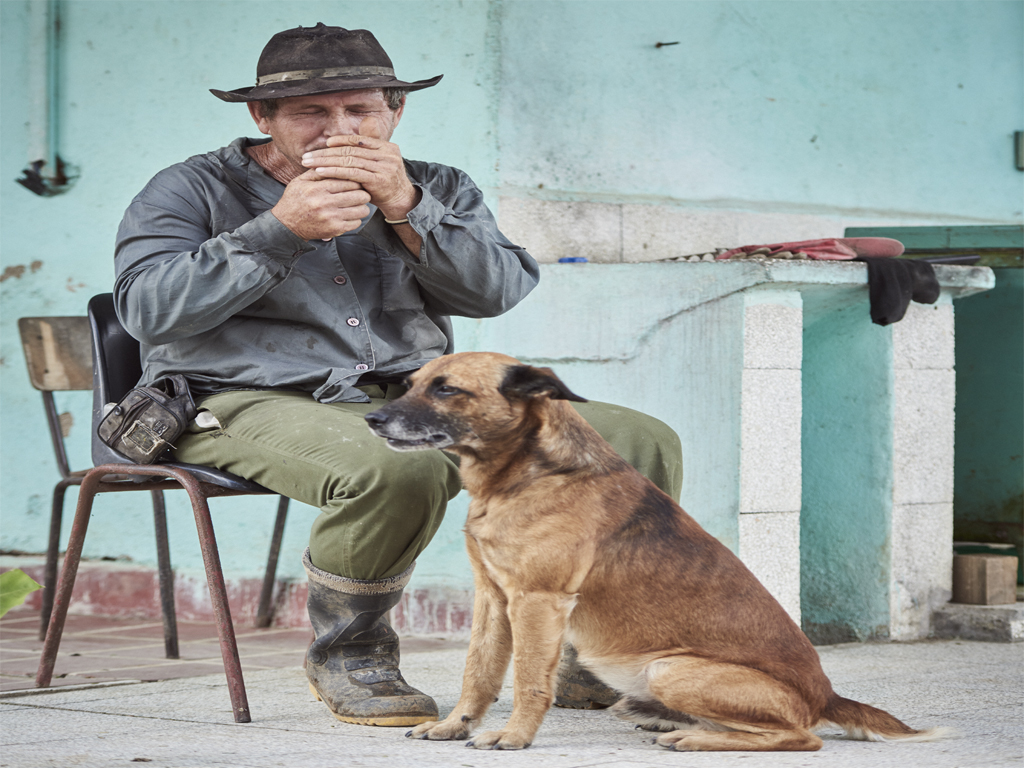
(845, 249)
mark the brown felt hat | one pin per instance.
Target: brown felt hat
(321, 59)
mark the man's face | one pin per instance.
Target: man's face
(304, 123)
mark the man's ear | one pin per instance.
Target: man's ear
(524, 382)
(256, 112)
(398, 114)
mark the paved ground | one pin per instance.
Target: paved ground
(97, 649)
(977, 688)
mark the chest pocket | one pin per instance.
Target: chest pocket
(401, 291)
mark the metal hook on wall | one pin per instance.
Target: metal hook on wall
(46, 174)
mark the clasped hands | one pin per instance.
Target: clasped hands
(331, 197)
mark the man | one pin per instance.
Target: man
(295, 282)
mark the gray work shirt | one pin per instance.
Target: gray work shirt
(219, 290)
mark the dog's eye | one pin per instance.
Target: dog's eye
(445, 391)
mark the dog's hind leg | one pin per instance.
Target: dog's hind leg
(652, 715)
(756, 712)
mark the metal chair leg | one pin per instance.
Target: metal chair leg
(219, 598)
(66, 584)
(52, 553)
(265, 612)
(163, 559)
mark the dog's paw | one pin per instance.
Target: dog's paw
(498, 740)
(680, 741)
(443, 730)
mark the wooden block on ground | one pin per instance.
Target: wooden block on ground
(984, 579)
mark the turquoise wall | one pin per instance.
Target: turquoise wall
(856, 107)
(988, 496)
(847, 450)
(801, 106)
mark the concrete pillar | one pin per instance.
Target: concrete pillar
(920, 578)
(770, 467)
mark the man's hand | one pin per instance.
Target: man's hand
(370, 161)
(315, 207)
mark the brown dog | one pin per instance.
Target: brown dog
(570, 543)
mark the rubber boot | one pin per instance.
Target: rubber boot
(352, 664)
(578, 688)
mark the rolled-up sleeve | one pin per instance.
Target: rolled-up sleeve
(465, 266)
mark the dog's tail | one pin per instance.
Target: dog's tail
(867, 723)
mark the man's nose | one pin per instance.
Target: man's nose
(341, 123)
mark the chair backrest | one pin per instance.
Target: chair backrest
(116, 367)
(57, 352)
(116, 370)
(58, 360)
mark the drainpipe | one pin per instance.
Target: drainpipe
(46, 174)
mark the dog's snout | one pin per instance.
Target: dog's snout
(376, 418)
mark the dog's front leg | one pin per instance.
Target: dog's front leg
(490, 648)
(538, 624)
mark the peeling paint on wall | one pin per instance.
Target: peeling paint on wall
(18, 270)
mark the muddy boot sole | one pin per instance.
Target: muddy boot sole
(392, 721)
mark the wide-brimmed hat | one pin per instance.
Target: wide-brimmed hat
(321, 59)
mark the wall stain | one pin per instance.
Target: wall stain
(18, 270)
(15, 271)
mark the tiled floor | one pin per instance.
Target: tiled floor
(97, 649)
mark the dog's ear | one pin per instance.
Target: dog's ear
(525, 381)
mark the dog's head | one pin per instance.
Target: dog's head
(465, 402)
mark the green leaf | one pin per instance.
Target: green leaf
(15, 586)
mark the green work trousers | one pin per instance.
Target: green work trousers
(378, 508)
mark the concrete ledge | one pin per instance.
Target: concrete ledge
(991, 623)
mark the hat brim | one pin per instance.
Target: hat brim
(286, 88)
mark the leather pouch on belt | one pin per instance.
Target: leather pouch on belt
(147, 421)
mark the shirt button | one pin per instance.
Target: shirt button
(362, 367)
(353, 321)
(341, 279)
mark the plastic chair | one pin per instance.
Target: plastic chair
(115, 368)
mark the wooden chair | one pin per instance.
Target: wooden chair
(57, 351)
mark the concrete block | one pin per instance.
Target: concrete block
(770, 466)
(610, 232)
(924, 337)
(772, 336)
(984, 579)
(770, 548)
(921, 562)
(923, 417)
(990, 623)
(651, 232)
(553, 229)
